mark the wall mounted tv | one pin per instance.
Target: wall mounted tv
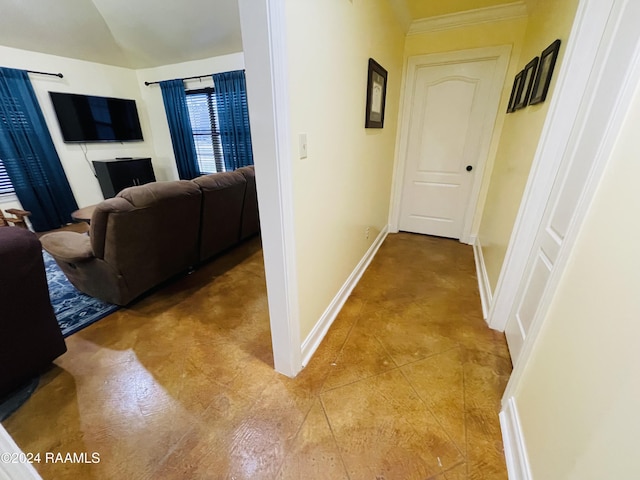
(86, 118)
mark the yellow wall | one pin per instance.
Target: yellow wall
(345, 183)
(506, 32)
(578, 398)
(548, 20)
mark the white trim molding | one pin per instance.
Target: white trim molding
(483, 278)
(615, 74)
(264, 40)
(515, 450)
(8, 198)
(313, 340)
(450, 21)
(577, 67)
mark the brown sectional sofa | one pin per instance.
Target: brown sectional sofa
(149, 233)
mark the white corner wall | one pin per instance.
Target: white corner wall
(578, 398)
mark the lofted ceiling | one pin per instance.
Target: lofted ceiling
(149, 33)
(127, 33)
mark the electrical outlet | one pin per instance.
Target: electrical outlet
(366, 233)
(302, 145)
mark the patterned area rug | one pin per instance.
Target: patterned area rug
(74, 310)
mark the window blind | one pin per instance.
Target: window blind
(5, 182)
(206, 132)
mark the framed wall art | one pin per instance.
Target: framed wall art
(376, 95)
(545, 72)
(528, 78)
(515, 92)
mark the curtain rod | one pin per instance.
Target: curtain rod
(46, 73)
(185, 78)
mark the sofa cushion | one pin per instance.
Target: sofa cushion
(152, 193)
(99, 219)
(70, 247)
(222, 200)
(250, 217)
(156, 236)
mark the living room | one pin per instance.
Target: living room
(358, 166)
(83, 77)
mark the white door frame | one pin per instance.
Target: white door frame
(13, 464)
(501, 54)
(596, 60)
(264, 41)
(574, 72)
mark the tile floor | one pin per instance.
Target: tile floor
(406, 385)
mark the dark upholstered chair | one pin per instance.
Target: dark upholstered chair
(30, 337)
(140, 238)
(222, 203)
(250, 218)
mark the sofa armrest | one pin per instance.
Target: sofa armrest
(70, 247)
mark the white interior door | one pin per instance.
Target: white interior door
(451, 118)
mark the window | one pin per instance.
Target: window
(206, 133)
(5, 182)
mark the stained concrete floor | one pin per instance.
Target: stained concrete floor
(406, 384)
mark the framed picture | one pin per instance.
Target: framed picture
(528, 77)
(545, 72)
(376, 95)
(515, 92)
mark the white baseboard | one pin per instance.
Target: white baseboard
(515, 451)
(312, 342)
(486, 297)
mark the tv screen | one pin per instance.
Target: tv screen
(86, 118)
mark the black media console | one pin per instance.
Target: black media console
(119, 173)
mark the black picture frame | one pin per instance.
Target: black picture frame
(526, 86)
(376, 95)
(515, 92)
(545, 72)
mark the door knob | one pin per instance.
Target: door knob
(469, 168)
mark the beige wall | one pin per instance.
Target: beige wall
(506, 32)
(548, 20)
(344, 185)
(86, 78)
(578, 397)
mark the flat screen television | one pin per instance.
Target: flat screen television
(87, 118)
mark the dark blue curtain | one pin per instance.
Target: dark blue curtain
(29, 155)
(184, 148)
(233, 118)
